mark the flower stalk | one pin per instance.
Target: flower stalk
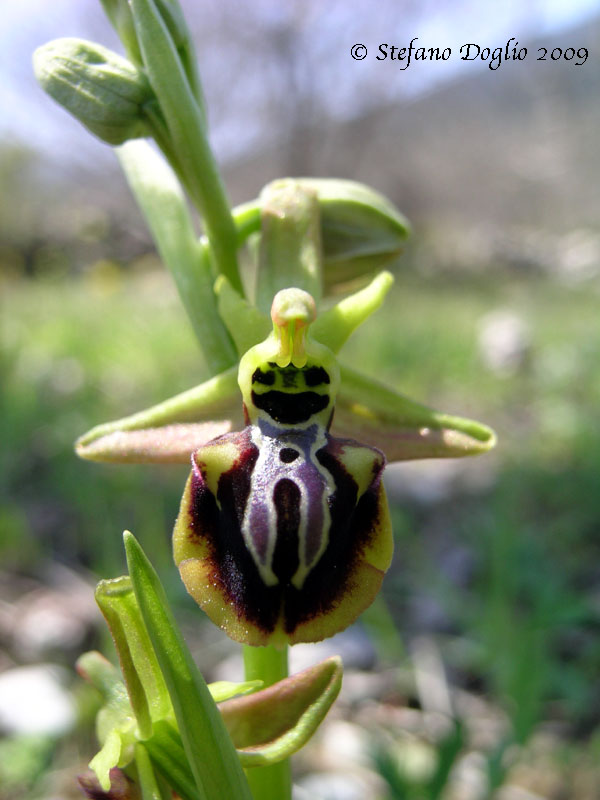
(270, 665)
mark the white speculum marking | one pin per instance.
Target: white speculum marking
(315, 484)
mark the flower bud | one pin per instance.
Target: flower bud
(361, 231)
(104, 91)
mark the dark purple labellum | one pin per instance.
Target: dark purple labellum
(278, 538)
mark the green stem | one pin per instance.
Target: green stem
(187, 137)
(269, 665)
(161, 199)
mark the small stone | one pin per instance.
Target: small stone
(504, 342)
(33, 700)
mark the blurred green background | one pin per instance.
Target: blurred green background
(493, 600)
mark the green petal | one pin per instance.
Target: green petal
(273, 723)
(403, 429)
(107, 758)
(333, 327)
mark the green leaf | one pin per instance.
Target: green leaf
(149, 786)
(159, 195)
(271, 724)
(174, 19)
(448, 750)
(120, 17)
(203, 733)
(166, 753)
(101, 89)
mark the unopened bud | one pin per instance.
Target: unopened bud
(101, 89)
(361, 231)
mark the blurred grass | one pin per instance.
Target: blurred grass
(73, 354)
(518, 620)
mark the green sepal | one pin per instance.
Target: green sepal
(145, 684)
(361, 230)
(379, 416)
(103, 90)
(290, 243)
(159, 195)
(203, 733)
(274, 723)
(157, 433)
(366, 410)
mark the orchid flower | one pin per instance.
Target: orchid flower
(284, 532)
